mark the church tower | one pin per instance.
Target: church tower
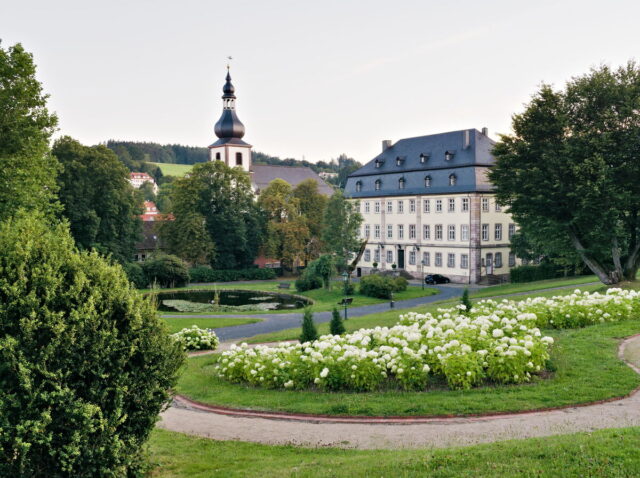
(229, 129)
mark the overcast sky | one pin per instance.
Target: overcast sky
(313, 78)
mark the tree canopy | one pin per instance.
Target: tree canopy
(569, 173)
(341, 226)
(98, 200)
(27, 170)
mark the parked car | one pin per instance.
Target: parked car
(436, 279)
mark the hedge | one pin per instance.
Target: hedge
(534, 273)
(381, 287)
(206, 274)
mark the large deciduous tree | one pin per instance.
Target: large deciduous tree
(98, 200)
(86, 365)
(312, 205)
(224, 198)
(27, 170)
(570, 171)
(341, 225)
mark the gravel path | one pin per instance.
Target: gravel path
(430, 433)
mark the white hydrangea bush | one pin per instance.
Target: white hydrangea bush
(495, 342)
(195, 338)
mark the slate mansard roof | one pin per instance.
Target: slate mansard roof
(469, 153)
(263, 174)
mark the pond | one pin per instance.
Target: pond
(204, 300)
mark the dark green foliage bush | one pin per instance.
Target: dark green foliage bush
(348, 288)
(206, 274)
(135, 274)
(336, 326)
(309, 331)
(375, 285)
(85, 364)
(166, 271)
(317, 274)
(534, 273)
(308, 282)
(466, 301)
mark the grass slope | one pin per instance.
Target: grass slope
(603, 454)
(177, 324)
(588, 369)
(170, 169)
(505, 289)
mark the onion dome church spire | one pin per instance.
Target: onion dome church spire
(229, 129)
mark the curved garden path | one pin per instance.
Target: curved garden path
(188, 418)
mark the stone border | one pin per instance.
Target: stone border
(181, 401)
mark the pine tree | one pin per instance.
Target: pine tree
(336, 326)
(309, 331)
(466, 301)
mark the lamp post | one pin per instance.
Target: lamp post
(345, 278)
(422, 273)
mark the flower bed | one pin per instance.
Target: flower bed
(494, 342)
(195, 338)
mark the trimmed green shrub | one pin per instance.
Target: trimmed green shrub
(309, 331)
(348, 288)
(466, 302)
(85, 364)
(308, 282)
(135, 274)
(206, 274)
(336, 326)
(317, 274)
(533, 273)
(381, 287)
(166, 271)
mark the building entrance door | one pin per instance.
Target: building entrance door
(489, 263)
(359, 272)
(400, 258)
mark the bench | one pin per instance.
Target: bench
(346, 301)
(284, 285)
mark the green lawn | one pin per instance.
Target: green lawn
(601, 454)
(323, 299)
(177, 324)
(588, 369)
(531, 286)
(170, 169)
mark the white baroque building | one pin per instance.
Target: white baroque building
(428, 208)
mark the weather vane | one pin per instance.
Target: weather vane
(229, 58)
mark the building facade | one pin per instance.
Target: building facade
(138, 179)
(428, 208)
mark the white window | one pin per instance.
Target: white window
(390, 257)
(485, 232)
(464, 232)
(412, 231)
(498, 259)
(512, 230)
(389, 231)
(451, 260)
(378, 163)
(400, 231)
(367, 255)
(367, 230)
(412, 205)
(485, 204)
(452, 232)
(378, 184)
(498, 232)
(452, 180)
(426, 259)
(376, 255)
(357, 204)
(376, 207)
(412, 257)
(498, 208)
(438, 232)
(512, 259)
(438, 205)
(426, 206)
(400, 207)
(389, 206)
(376, 231)
(401, 183)
(426, 232)
(427, 181)
(452, 205)
(464, 261)
(367, 207)
(438, 259)
(465, 204)
(358, 186)
(424, 157)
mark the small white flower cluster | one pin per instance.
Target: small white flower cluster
(497, 342)
(195, 338)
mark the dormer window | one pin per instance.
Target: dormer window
(378, 184)
(424, 157)
(358, 186)
(427, 181)
(448, 155)
(401, 183)
(379, 162)
(399, 160)
(452, 180)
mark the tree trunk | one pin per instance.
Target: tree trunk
(606, 277)
(631, 265)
